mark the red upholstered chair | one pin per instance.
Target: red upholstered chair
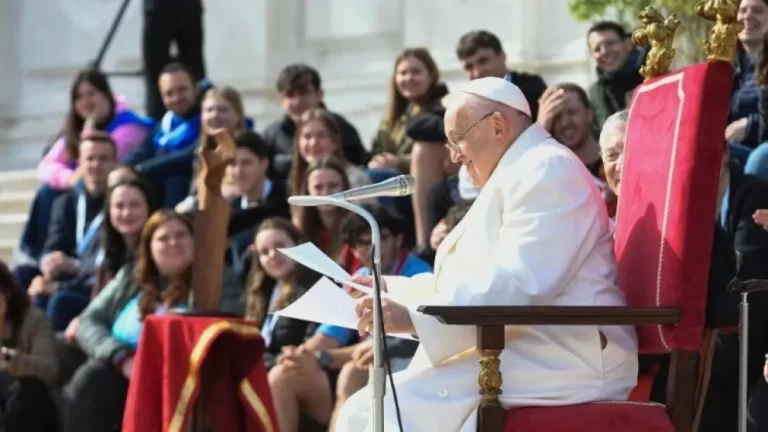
(199, 373)
(665, 227)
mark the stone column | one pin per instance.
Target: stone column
(10, 53)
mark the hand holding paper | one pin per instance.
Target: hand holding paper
(328, 304)
(310, 256)
(360, 286)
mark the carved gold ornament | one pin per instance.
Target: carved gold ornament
(724, 36)
(658, 33)
(490, 376)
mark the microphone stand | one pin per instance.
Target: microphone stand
(377, 375)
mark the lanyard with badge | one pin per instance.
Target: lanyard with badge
(83, 236)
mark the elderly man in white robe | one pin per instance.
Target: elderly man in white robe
(538, 234)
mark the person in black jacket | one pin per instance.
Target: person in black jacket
(618, 68)
(300, 89)
(260, 198)
(73, 235)
(481, 54)
(740, 250)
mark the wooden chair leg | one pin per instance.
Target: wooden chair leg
(681, 389)
(704, 370)
(490, 413)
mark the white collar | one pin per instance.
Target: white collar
(266, 189)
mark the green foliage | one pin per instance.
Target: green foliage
(692, 31)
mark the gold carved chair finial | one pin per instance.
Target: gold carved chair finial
(658, 33)
(723, 38)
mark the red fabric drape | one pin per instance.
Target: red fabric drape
(178, 353)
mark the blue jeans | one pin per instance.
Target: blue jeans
(62, 307)
(757, 162)
(36, 230)
(173, 189)
(24, 275)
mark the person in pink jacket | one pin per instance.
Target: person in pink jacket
(92, 101)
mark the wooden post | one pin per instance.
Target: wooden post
(217, 150)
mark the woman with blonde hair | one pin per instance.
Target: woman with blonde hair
(317, 136)
(415, 91)
(222, 108)
(414, 87)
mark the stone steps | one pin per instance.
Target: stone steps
(17, 190)
(6, 249)
(12, 224)
(18, 181)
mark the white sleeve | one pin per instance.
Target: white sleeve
(410, 290)
(551, 221)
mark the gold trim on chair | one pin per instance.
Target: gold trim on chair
(490, 376)
(724, 36)
(658, 33)
(255, 402)
(192, 381)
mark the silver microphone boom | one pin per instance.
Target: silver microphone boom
(401, 185)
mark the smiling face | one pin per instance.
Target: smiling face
(613, 156)
(172, 248)
(91, 103)
(412, 79)
(218, 113)
(274, 263)
(300, 98)
(573, 125)
(609, 50)
(96, 158)
(128, 210)
(754, 15)
(247, 170)
(323, 182)
(468, 141)
(315, 141)
(178, 92)
(390, 249)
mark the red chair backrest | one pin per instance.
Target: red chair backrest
(665, 217)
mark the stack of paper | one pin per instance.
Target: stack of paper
(310, 256)
(325, 302)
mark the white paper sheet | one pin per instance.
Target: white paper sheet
(310, 256)
(326, 303)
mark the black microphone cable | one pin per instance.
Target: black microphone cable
(377, 287)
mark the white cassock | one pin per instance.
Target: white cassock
(538, 234)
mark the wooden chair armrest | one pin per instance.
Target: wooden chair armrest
(551, 315)
(490, 322)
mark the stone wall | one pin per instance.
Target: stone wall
(351, 42)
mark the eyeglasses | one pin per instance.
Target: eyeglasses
(454, 146)
(366, 241)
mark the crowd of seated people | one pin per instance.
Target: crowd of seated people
(109, 239)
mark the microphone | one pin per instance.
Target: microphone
(401, 185)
